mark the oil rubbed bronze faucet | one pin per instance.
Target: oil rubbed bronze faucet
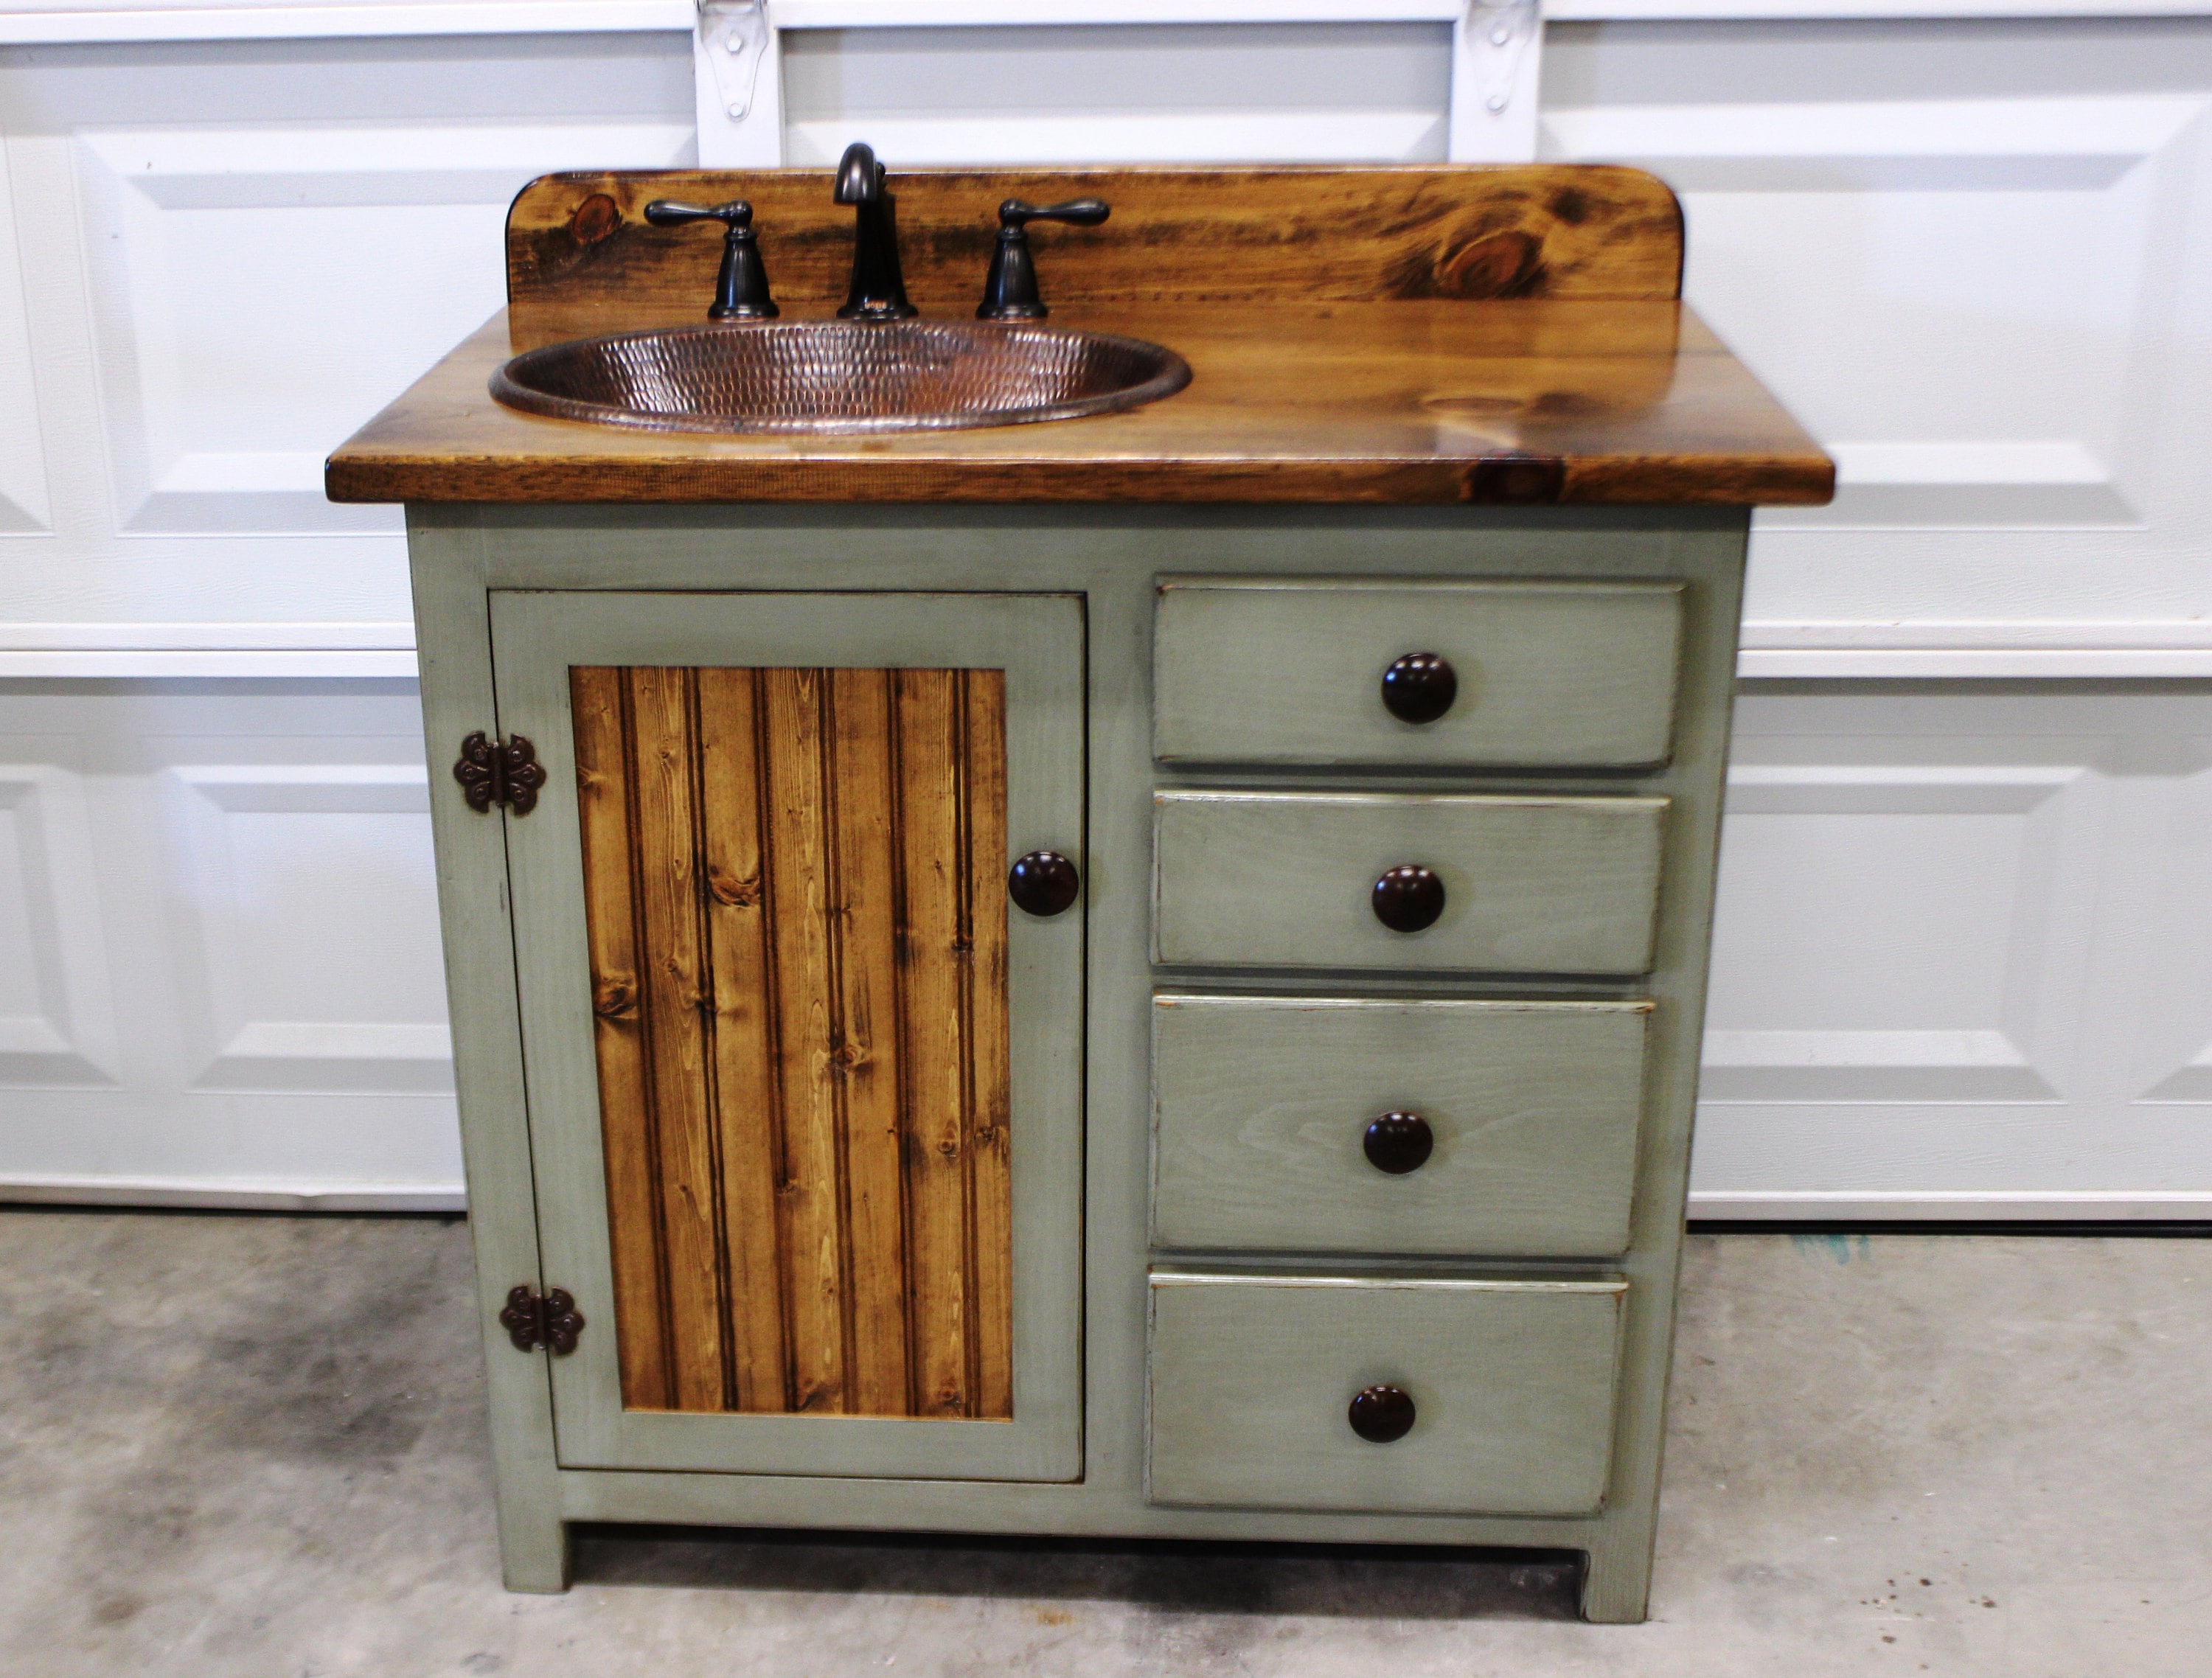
(878, 290)
(1010, 289)
(741, 290)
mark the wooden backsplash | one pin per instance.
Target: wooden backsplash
(580, 241)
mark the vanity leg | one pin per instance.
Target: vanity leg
(1617, 1579)
(533, 1553)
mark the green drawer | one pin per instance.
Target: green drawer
(1532, 885)
(1261, 1105)
(1267, 670)
(1512, 1385)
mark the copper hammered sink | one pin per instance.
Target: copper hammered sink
(837, 376)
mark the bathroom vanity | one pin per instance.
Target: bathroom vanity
(1137, 974)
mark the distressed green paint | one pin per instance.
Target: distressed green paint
(1532, 883)
(1262, 1103)
(1113, 559)
(1274, 671)
(1512, 1384)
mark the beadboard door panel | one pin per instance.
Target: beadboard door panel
(794, 882)
(805, 1100)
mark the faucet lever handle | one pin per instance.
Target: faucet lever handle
(741, 290)
(1083, 212)
(667, 213)
(1010, 289)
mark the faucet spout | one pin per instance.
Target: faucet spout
(878, 289)
(859, 177)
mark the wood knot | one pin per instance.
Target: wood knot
(846, 1058)
(613, 998)
(735, 893)
(1509, 263)
(595, 219)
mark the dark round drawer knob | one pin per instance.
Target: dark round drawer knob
(1043, 882)
(1419, 687)
(1408, 897)
(1399, 1143)
(1381, 1414)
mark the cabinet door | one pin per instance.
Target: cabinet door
(805, 1089)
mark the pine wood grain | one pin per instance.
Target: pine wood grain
(805, 1099)
(1338, 235)
(744, 1048)
(603, 798)
(1424, 334)
(1531, 401)
(931, 933)
(665, 859)
(864, 1063)
(798, 916)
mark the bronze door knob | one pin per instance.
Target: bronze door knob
(1408, 897)
(1381, 1414)
(1043, 882)
(1399, 1143)
(1419, 687)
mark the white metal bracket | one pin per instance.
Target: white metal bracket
(739, 83)
(1497, 50)
(735, 35)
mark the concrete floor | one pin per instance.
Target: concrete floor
(253, 1446)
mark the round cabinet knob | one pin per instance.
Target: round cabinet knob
(1381, 1414)
(1408, 897)
(1399, 1143)
(1043, 882)
(1419, 687)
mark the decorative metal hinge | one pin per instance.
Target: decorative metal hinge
(531, 1321)
(492, 773)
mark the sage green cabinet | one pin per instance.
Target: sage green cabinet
(808, 1150)
(1511, 1384)
(1531, 883)
(886, 1203)
(1262, 1106)
(1283, 670)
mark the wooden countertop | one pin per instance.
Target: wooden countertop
(1499, 336)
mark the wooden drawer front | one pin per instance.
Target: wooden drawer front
(1287, 880)
(1263, 1105)
(1512, 1385)
(1281, 671)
